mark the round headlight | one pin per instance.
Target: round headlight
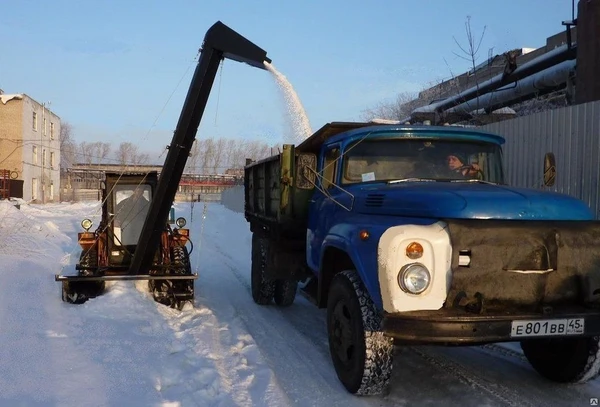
(414, 278)
(180, 222)
(86, 224)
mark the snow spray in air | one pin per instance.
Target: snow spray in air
(297, 117)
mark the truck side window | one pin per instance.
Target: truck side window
(330, 168)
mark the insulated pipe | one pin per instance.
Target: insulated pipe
(554, 57)
(539, 83)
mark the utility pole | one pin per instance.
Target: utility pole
(42, 135)
(588, 52)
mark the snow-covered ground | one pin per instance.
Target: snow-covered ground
(123, 349)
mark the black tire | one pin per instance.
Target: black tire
(285, 292)
(263, 289)
(564, 360)
(361, 354)
(78, 292)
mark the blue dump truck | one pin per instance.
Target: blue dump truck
(410, 235)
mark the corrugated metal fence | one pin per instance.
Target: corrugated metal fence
(572, 133)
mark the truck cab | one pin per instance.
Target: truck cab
(412, 236)
(374, 179)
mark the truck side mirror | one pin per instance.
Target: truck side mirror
(549, 169)
(306, 168)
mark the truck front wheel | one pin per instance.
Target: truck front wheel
(262, 288)
(564, 360)
(361, 354)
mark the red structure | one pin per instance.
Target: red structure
(210, 180)
(4, 184)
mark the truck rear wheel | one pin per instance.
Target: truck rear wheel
(361, 354)
(262, 288)
(285, 292)
(564, 360)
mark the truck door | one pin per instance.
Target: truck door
(322, 206)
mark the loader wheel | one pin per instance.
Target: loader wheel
(175, 293)
(361, 354)
(262, 289)
(285, 292)
(564, 360)
(78, 292)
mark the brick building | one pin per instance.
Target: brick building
(30, 147)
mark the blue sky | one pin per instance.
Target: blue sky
(109, 67)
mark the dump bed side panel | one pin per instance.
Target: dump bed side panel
(262, 192)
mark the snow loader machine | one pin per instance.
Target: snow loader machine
(135, 239)
(107, 252)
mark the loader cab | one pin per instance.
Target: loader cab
(127, 202)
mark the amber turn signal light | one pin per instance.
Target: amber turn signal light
(414, 250)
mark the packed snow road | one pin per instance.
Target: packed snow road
(124, 349)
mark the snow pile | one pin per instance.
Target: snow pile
(24, 236)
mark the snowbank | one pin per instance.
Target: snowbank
(233, 198)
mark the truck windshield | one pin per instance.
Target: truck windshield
(431, 159)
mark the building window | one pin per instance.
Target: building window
(51, 130)
(44, 126)
(51, 190)
(52, 159)
(34, 121)
(35, 155)
(34, 188)
(43, 157)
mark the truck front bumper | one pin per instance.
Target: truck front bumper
(456, 327)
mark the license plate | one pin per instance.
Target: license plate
(547, 327)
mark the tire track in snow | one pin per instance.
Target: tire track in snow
(211, 369)
(516, 373)
(269, 327)
(501, 350)
(211, 361)
(496, 390)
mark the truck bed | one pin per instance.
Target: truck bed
(273, 202)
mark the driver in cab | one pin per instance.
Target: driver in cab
(456, 163)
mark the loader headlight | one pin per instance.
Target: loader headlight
(414, 278)
(181, 222)
(86, 224)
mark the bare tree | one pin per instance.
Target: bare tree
(96, 152)
(218, 155)
(140, 158)
(68, 147)
(192, 162)
(399, 109)
(86, 152)
(232, 154)
(103, 151)
(129, 154)
(207, 154)
(124, 153)
(470, 53)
